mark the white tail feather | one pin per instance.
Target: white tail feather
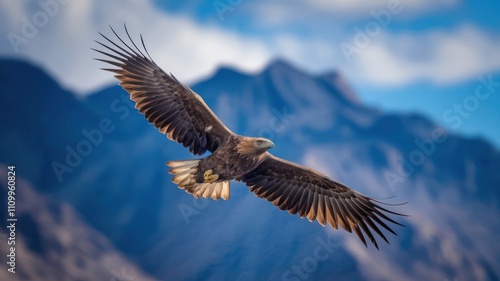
(217, 192)
(225, 190)
(180, 163)
(185, 171)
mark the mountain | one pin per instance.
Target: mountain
(102, 158)
(53, 243)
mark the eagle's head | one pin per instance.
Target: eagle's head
(254, 146)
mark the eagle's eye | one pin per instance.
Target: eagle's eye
(260, 142)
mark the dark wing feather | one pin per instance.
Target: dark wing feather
(298, 189)
(172, 107)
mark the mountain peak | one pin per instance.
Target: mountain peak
(226, 72)
(338, 81)
(280, 65)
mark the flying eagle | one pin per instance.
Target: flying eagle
(184, 117)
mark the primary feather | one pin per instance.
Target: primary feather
(172, 107)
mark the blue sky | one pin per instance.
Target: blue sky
(423, 56)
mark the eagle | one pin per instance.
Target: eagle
(184, 117)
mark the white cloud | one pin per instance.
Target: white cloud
(283, 12)
(178, 44)
(11, 11)
(436, 56)
(192, 50)
(364, 6)
(311, 54)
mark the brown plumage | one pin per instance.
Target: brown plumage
(184, 117)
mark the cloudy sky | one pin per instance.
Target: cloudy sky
(424, 56)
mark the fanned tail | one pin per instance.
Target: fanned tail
(185, 171)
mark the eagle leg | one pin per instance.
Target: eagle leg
(209, 176)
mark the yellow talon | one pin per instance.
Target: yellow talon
(209, 176)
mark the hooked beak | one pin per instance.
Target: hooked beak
(270, 145)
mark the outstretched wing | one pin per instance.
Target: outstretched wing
(172, 107)
(298, 189)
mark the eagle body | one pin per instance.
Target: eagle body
(182, 115)
(230, 161)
